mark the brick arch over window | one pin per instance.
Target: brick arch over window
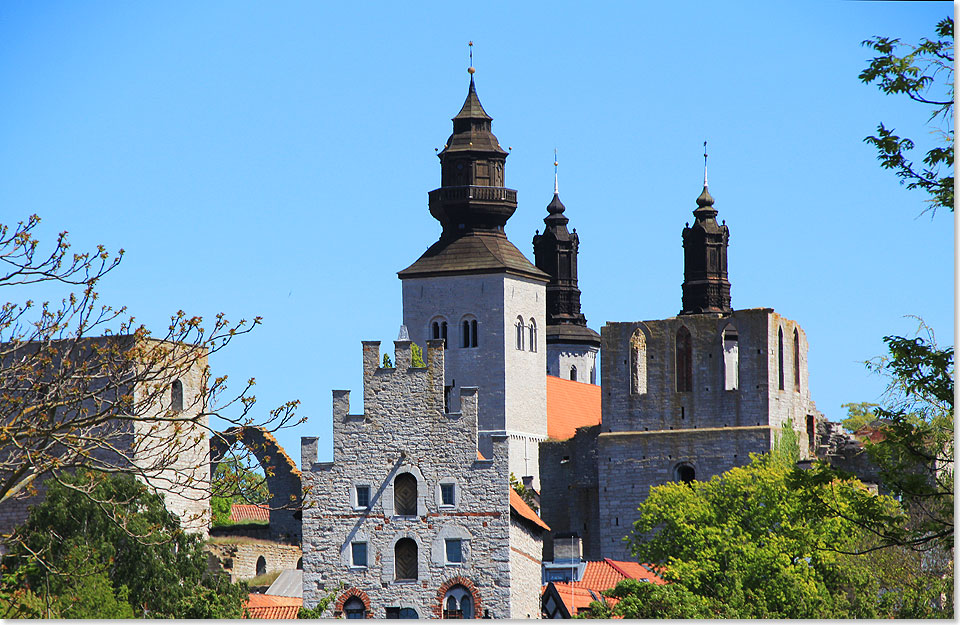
(349, 594)
(458, 581)
(283, 477)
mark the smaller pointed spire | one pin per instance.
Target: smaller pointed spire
(556, 182)
(705, 198)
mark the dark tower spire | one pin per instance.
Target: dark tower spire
(555, 253)
(705, 285)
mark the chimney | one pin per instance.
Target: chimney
(567, 548)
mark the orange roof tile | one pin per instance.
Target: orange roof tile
(272, 606)
(576, 598)
(635, 570)
(242, 512)
(607, 573)
(520, 507)
(570, 405)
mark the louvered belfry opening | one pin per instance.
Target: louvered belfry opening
(405, 494)
(405, 558)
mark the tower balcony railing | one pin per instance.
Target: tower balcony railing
(471, 192)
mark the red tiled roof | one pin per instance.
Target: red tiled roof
(520, 507)
(272, 606)
(600, 575)
(570, 405)
(244, 512)
(576, 598)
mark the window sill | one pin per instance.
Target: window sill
(355, 567)
(447, 506)
(457, 564)
(361, 508)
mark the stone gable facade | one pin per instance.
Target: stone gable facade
(409, 515)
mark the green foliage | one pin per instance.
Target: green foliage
(417, 355)
(525, 493)
(915, 456)
(104, 547)
(786, 449)
(317, 611)
(387, 363)
(859, 414)
(233, 482)
(923, 67)
(645, 600)
(748, 545)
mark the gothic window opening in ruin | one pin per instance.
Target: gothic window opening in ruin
(780, 358)
(796, 360)
(300, 564)
(358, 554)
(458, 603)
(533, 335)
(405, 559)
(261, 566)
(454, 550)
(573, 373)
(354, 608)
(638, 363)
(176, 396)
(731, 360)
(520, 333)
(685, 473)
(811, 434)
(684, 359)
(405, 495)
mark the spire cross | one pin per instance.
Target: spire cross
(704, 164)
(556, 181)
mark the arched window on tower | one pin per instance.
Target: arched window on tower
(780, 358)
(473, 333)
(468, 332)
(176, 396)
(405, 495)
(439, 331)
(573, 373)
(457, 603)
(638, 362)
(520, 333)
(731, 359)
(684, 359)
(405, 559)
(685, 473)
(796, 360)
(533, 335)
(261, 566)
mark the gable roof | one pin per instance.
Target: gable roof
(570, 405)
(600, 575)
(272, 607)
(518, 505)
(246, 512)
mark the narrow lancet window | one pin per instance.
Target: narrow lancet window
(731, 360)
(638, 362)
(796, 360)
(520, 333)
(176, 396)
(780, 358)
(684, 356)
(533, 335)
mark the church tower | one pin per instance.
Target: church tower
(705, 285)
(477, 291)
(572, 347)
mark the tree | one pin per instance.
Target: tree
(924, 68)
(859, 414)
(235, 482)
(84, 387)
(81, 563)
(914, 456)
(746, 544)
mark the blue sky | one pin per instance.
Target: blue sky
(274, 159)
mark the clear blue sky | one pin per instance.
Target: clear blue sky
(274, 159)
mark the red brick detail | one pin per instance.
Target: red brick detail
(458, 581)
(347, 594)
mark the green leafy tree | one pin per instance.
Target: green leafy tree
(859, 414)
(105, 547)
(747, 545)
(924, 73)
(417, 355)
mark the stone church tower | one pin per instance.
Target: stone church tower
(477, 291)
(572, 347)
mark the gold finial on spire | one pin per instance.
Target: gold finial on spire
(556, 182)
(471, 69)
(704, 164)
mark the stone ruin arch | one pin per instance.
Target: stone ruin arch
(282, 475)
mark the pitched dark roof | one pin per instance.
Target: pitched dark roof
(479, 252)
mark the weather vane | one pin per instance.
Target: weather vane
(471, 69)
(704, 163)
(556, 163)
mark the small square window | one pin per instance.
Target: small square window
(363, 496)
(448, 494)
(359, 554)
(454, 550)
